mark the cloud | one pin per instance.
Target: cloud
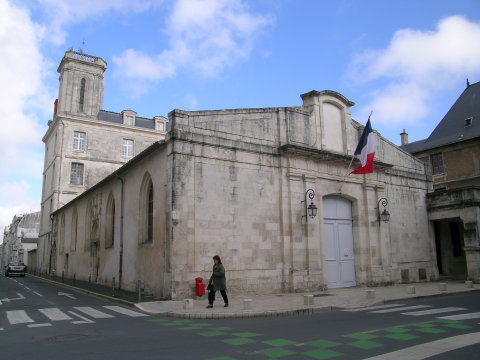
(206, 35)
(417, 65)
(61, 13)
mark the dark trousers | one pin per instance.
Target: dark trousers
(211, 296)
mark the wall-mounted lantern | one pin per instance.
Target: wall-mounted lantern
(310, 210)
(384, 215)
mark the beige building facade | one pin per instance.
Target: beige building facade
(237, 183)
(83, 143)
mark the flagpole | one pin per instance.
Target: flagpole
(350, 165)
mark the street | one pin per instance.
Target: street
(40, 320)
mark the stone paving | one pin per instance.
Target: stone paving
(294, 304)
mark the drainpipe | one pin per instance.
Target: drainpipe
(120, 264)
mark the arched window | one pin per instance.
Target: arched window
(73, 244)
(61, 235)
(146, 210)
(110, 222)
(81, 100)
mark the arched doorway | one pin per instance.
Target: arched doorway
(338, 252)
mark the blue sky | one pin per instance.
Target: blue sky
(406, 60)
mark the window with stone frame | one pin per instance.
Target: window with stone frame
(437, 163)
(79, 141)
(76, 174)
(127, 148)
(146, 210)
(110, 222)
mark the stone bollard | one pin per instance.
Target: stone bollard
(442, 287)
(308, 300)
(411, 290)
(469, 284)
(370, 294)
(187, 304)
(247, 304)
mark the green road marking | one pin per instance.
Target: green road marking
(396, 330)
(201, 325)
(239, 341)
(403, 337)
(432, 330)
(322, 354)
(425, 325)
(323, 343)
(189, 328)
(365, 344)
(246, 334)
(223, 328)
(279, 342)
(276, 352)
(223, 358)
(361, 336)
(448, 321)
(458, 326)
(212, 333)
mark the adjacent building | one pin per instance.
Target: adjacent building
(241, 183)
(83, 143)
(452, 155)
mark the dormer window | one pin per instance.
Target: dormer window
(160, 123)
(129, 117)
(468, 121)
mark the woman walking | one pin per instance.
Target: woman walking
(217, 282)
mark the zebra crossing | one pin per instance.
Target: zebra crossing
(34, 318)
(420, 310)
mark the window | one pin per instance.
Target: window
(437, 164)
(78, 141)
(76, 174)
(81, 99)
(146, 210)
(127, 148)
(468, 121)
(73, 244)
(110, 222)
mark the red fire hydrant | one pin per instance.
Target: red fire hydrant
(199, 286)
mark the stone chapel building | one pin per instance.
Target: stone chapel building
(237, 183)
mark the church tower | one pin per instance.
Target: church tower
(81, 85)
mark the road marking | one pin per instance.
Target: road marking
(36, 293)
(67, 295)
(20, 297)
(1, 329)
(401, 309)
(85, 320)
(124, 311)
(55, 314)
(18, 317)
(39, 325)
(96, 314)
(376, 307)
(434, 311)
(424, 351)
(461, 316)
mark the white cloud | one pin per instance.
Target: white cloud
(418, 65)
(207, 35)
(61, 13)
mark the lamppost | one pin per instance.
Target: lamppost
(384, 215)
(310, 210)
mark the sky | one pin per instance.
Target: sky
(407, 61)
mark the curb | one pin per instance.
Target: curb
(90, 292)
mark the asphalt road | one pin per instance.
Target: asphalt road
(39, 320)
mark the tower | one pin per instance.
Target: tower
(81, 85)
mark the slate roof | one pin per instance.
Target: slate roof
(453, 128)
(117, 118)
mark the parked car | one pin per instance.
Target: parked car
(15, 268)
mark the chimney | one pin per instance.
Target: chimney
(404, 137)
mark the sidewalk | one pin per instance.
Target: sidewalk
(293, 304)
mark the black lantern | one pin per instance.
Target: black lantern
(310, 210)
(384, 215)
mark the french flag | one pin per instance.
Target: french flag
(365, 151)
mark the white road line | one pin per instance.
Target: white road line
(36, 293)
(424, 351)
(401, 309)
(18, 317)
(85, 320)
(461, 316)
(39, 325)
(55, 314)
(124, 311)
(96, 314)
(375, 307)
(1, 329)
(434, 311)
